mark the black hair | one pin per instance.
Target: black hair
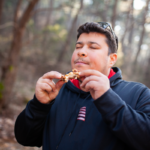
(95, 27)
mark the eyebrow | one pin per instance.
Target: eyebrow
(79, 42)
(90, 42)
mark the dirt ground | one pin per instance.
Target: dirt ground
(15, 146)
(7, 121)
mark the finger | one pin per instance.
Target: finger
(90, 72)
(52, 75)
(50, 83)
(88, 79)
(46, 87)
(90, 85)
(59, 85)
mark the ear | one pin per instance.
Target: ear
(112, 59)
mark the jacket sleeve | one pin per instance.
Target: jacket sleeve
(30, 123)
(130, 125)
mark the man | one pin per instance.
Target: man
(101, 112)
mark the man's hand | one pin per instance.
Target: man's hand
(46, 90)
(94, 82)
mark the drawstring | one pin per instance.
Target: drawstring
(77, 116)
(69, 120)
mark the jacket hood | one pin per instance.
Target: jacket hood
(73, 88)
(117, 78)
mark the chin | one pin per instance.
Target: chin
(80, 68)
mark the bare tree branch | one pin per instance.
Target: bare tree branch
(114, 13)
(1, 6)
(143, 31)
(7, 24)
(31, 40)
(17, 12)
(105, 12)
(47, 9)
(49, 15)
(129, 13)
(65, 47)
(27, 13)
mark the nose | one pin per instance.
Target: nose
(82, 52)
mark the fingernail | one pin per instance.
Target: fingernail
(59, 76)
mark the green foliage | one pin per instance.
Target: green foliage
(56, 32)
(31, 27)
(10, 3)
(1, 89)
(26, 100)
(30, 23)
(11, 68)
(54, 28)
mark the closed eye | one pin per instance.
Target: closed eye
(78, 46)
(93, 47)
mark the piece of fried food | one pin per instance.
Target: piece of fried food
(71, 75)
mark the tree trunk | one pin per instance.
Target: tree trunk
(66, 44)
(1, 11)
(114, 14)
(36, 11)
(131, 33)
(48, 21)
(127, 25)
(49, 14)
(142, 32)
(126, 28)
(35, 16)
(17, 14)
(130, 39)
(1, 8)
(69, 18)
(105, 10)
(125, 47)
(10, 69)
(147, 72)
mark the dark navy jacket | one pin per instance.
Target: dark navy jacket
(118, 120)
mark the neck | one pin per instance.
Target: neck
(108, 72)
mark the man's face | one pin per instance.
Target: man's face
(91, 52)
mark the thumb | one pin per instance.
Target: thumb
(59, 84)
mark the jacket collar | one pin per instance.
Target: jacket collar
(117, 78)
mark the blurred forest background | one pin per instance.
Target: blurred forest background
(37, 36)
